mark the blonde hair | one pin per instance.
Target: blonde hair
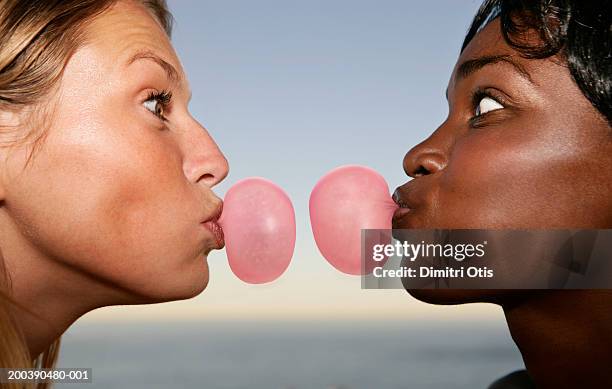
(37, 38)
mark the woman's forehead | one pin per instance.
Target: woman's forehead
(489, 47)
(487, 42)
(127, 28)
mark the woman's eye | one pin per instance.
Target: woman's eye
(487, 104)
(158, 102)
(155, 106)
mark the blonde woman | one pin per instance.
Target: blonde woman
(105, 177)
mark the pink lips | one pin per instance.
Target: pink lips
(216, 231)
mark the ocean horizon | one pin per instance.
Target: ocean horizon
(290, 355)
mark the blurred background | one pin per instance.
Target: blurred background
(290, 90)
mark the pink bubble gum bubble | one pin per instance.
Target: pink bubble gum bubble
(343, 202)
(258, 223)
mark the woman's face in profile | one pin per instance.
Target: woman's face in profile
(521, 147)
(121, 185)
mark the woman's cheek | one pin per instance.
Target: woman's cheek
(113, 208)
(147, 217)
(483, 185)
(511, 178)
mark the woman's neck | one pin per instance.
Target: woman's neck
(48, 296)
(565, 336)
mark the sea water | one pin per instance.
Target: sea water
(290, 355)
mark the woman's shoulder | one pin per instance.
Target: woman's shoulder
(516, 380)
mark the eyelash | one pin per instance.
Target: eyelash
(164, 98)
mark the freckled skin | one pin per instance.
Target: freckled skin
(108, 210)
(541, 162)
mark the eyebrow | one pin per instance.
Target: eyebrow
(472, 65)
(170, 71)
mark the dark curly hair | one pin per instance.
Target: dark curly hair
(578, 31)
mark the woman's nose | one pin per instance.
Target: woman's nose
(424, 159)
(204, 163)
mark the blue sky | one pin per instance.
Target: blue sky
(292, 89)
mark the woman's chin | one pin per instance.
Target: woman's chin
(180, 284)
(193, 282)
(448, 296)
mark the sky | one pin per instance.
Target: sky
(292, 89)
